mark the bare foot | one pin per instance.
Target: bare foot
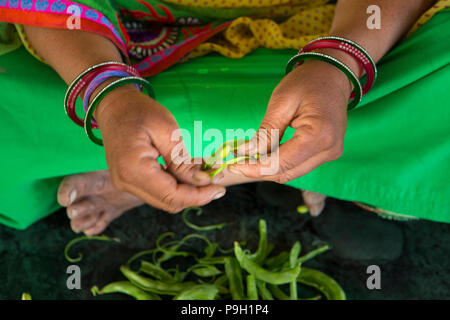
(92, 201)
(314, 201)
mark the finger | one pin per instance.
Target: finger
(281, 109)
(167, 139)
(160, 189)
(289, 155)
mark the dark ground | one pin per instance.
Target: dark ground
(413, 256)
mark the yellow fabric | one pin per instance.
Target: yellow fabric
(308, 19)
(26, 43)
(246, 34)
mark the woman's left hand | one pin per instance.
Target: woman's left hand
(312, 99)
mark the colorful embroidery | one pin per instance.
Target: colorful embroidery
(59, 7)
(160, 33)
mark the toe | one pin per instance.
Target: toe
(85, 207)
(314, 201)
(103, 221)
(84, 223)
(78, 186)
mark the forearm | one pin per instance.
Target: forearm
(350, 21)
(70, 52)
(397, 17)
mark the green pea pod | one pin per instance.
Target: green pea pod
(222, 167)
(234, 274)
(206, 271)
(82, 238)
(200, 228)
(252, 290)
(277, 261)
(125, 287)
(260, 255)
(278, 293)
(260, 273)
(293, 256)
(212, 260)
(139, 255)
(220, 283)
(211, 250)
(155, 271)
(325, 284)
(198, 292)
(154, 286)
(263, 291)
(313, 253)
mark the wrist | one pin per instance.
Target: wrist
(114, 100)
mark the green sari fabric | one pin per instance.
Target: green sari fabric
(397, 146)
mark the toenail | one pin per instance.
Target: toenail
(72, 196)
(73, 213)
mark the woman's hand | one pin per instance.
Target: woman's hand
(136, 130)
(312, 99)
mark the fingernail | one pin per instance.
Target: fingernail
(72, 196)
(200, 176)
(218, 195)
(217, 179)
(252, 146)
(234, 170)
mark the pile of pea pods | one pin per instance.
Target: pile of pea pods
(235, 274)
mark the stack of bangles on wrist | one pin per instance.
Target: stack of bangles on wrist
(347, 46)
(90, 80)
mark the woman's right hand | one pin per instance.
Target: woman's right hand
(136, 130)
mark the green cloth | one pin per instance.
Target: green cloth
(397, 146)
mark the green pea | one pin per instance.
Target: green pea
(125, 287)
(260, 273)
(26, 296)
(325, 284)
(198, 292)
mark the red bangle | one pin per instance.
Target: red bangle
(354, 50)
(83, 80)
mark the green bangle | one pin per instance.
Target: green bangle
(335, 62)
(113, 85)
(354, 44)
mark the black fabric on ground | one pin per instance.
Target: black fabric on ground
(33, 260)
